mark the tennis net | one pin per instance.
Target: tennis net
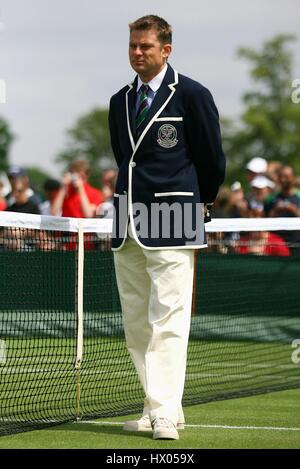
(62, 350)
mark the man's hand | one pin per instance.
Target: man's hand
(77, 181)
(282, 207)
(66, 179)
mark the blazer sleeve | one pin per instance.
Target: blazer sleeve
(204, 140)
(114, 132)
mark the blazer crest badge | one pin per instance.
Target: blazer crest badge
(167, 136)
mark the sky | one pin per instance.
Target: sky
(61, 58)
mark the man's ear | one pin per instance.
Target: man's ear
(167, 49)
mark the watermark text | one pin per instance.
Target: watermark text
(2, 352)
(2, 92)
(296, 352)
(295, 96)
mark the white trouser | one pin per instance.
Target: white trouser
(155, 288)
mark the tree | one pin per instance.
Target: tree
(6, 139)
(89, 138)
(270, 123)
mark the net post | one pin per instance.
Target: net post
(196, 251)
(79, 311)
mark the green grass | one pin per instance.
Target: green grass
(280, 409)
(40, 371)
(38, 382)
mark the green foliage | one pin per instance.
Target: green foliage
(6, 139)
(89, 138)
(270, 123)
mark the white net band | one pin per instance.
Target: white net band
(95, 225)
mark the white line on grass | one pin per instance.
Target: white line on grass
(226, 427)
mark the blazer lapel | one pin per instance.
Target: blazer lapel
(130, 111)
(162, 97)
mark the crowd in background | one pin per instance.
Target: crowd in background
(72, 196)
(272, 190)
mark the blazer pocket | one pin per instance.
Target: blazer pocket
(169, 119)
(167, 194)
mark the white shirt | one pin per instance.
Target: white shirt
(154, 85)
(155, 82)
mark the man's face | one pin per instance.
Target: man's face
(260, 193)
(19, 192)
(146, 54)
(286, 177)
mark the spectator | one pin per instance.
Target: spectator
(51, 188)
(262, 243)
(16, 173)
(297, 185)
(76, 197)
(22, 203)
(255, 167)
(108, 183)
(274, 168)
(221, 207)
(261, 188)
(286, 202)
(230, 202)
(238, 203)
(3, 203)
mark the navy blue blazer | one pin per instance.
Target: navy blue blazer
(171, 169)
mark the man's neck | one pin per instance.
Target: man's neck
(148, 77)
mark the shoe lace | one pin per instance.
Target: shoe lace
(163, 422)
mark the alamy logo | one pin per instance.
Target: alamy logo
(295, 96)
(2, 352)
(296, 353)
(2, 92)
(167, 136)
(2, 25)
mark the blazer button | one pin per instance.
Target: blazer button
(133, 164)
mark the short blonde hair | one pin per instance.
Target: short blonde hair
(164, 30)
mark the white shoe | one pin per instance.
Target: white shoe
(141, 425)
(144, 425)
(164, 429)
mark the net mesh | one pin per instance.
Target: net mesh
(243, 340)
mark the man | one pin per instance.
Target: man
(3, 203)
(108, 183)
(166, 141)
(255, 167)
(22, 202)
(15, 174)
(76, 197)
(285, 203)
(51, 189)
(261, 188)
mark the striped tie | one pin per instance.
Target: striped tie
(143, 107)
